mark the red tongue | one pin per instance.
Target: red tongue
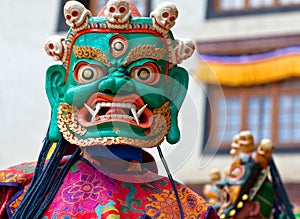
(118, 111)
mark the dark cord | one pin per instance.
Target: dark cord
(42, 157)
(171, 180)
(75, 156)
(44, 179)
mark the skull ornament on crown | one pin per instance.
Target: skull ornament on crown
(76, 15)
(264, 151)
(117, 13)
(164, 17)
(246, 142)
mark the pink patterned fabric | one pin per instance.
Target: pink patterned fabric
(86, 192)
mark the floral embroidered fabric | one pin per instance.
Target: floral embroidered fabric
(87, 192)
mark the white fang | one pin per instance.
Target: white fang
(91, 111)
(98, 107)
(139, 113)
(133, 111)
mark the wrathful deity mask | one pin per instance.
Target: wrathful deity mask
(119, 83)
(235, 188)
(246, 177)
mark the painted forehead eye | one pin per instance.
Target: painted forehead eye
(118, 46)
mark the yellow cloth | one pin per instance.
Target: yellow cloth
(251, 73)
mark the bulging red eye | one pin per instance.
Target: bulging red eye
(85, 73)
(148, 73)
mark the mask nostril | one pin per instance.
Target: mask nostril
(108, 91)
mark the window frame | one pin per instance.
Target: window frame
(273, 90)
(213, 12)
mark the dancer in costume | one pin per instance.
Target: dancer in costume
(117, 90)
(252, 188)
(246, 191)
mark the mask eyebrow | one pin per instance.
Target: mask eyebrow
(91, 53)
(145, 51)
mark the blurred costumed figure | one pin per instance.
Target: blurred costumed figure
(252, 188)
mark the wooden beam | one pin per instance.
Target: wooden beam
(246, 46)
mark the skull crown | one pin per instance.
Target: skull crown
(118, 15)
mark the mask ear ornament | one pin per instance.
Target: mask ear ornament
(55, 89)
(184, 50)
(118, 46)
(177, 89)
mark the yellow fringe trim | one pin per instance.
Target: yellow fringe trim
(51, 151)
(247, 74)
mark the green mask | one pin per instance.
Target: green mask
(119, 83)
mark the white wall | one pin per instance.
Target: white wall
(24, 109)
